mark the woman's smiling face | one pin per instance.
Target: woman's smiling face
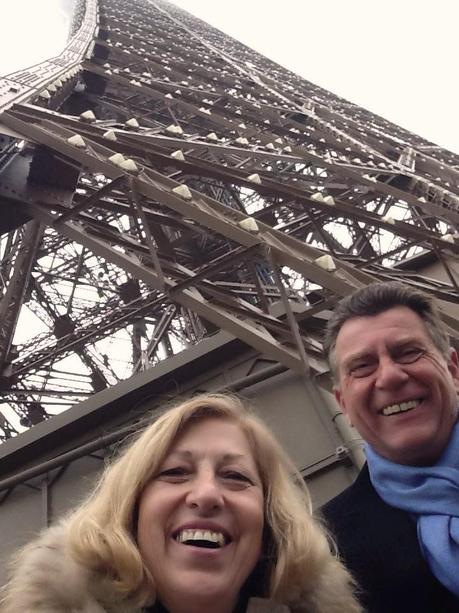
(201, 518)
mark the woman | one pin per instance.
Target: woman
(200, 514)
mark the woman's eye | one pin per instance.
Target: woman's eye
(236, 476)
(177, 472)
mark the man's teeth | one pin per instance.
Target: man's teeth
(401, 408)
(201, 535)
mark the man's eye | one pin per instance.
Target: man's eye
(407, 356)
(362, 370)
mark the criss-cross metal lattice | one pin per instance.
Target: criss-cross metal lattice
(159, 181)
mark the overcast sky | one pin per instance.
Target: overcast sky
(397, 58)
(32, 31)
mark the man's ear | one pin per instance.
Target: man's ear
(340, 400)
(453, 367)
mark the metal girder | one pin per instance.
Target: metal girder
(26, 84)
(12, 300)
(246, 179)
(160, 148)
(205, 211)
(253, 334)
(153, 180)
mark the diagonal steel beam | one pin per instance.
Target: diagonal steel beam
(254, 335)
(12, 300)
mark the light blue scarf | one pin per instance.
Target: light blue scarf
(431, 493)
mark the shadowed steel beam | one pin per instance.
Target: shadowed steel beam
(253, 335)
(11, 302)
(159, 331)
(90, 201)
(213, 215)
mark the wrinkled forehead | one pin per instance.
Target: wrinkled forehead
(390, 328)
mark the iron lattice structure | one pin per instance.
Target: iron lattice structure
(159, 181)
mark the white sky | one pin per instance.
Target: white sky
(32, 31)
(397, 58)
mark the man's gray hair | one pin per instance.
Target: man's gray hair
(377, 298)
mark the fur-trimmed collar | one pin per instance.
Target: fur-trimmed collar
(47, 579)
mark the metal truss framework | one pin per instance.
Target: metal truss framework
(159, 181)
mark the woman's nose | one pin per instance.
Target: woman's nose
(390, 374)
(205, 493)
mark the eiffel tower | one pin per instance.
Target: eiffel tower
(160, 181)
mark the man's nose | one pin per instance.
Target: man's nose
(390, 374)
(205, 493)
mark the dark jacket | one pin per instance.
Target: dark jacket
(379, 545)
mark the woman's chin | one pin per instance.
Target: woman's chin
(202, 596)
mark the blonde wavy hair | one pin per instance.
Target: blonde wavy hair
(299, 568)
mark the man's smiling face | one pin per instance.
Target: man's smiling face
(395, 386)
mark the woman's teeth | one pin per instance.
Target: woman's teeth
(201, 537)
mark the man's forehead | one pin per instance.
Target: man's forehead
(395, 326)
(365, 349)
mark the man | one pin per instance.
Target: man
(396, 380)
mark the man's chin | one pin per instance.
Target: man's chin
(415, 450)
